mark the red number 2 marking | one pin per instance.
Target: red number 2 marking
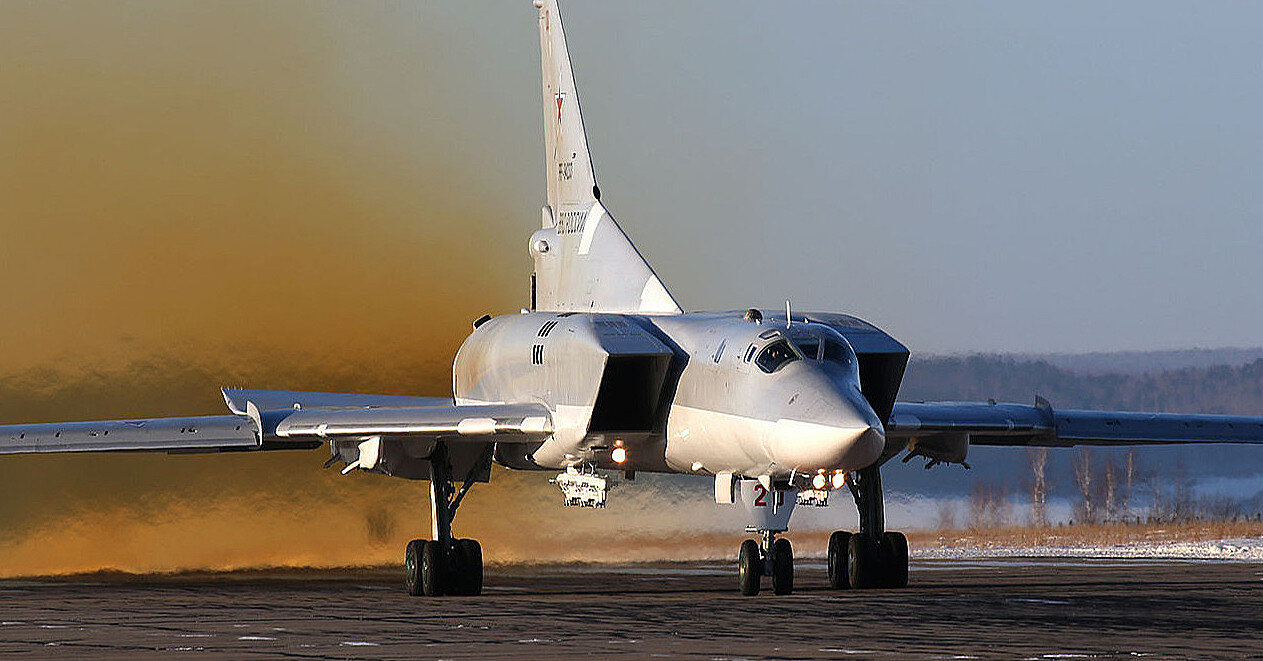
(760, 496)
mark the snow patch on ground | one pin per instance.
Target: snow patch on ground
(1231, 550)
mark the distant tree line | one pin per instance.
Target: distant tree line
(1108, 489)
(1220, 389)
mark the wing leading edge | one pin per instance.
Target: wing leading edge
(1040, 425)
(198, 434)
(943, 431)
(282, 420)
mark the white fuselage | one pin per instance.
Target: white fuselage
(695, 393)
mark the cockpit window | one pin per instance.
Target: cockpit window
(776, 354)
(840, 353)
(809, 346)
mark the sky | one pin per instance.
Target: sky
(975, 176)
(308, 195)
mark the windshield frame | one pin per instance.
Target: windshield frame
(781, 342)
(828, 344)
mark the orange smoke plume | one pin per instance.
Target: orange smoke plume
(256, 194)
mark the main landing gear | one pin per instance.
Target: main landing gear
(444, 565)
(873, 557)
(855, 561)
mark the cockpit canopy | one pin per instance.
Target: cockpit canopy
(776, 354)
(808, 342)
(832, 349)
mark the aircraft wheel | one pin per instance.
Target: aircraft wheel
(466, 577)
(839, 555)
(782, 567)
(749, 567)
(895, 558)
(433, 569)
(864, 566)
(412, 567)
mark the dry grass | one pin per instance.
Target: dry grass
(1113, 533)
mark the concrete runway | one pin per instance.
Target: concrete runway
(1010, 608)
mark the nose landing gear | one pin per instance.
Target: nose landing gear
(750, 567)
(782, 567)
(769, 507)
(775, 558)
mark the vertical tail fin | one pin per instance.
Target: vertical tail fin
(583, 260)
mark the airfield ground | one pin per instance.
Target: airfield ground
(962, 609)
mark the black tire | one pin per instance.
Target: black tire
(749, 568)
(412, 567)
(839, 555)
(455, 580)
(466, 574)
(895, 558)
(782, 567)
(864, 566)
(433, 569)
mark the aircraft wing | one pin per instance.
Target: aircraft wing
(292, 414)
(279, 420)
(988, 423)
(199, 434)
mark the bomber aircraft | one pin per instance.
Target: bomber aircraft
(605, 373)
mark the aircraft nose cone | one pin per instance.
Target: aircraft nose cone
(865, 448)
(843, 434)
(809, 446)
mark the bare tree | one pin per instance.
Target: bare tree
(1182, 505)
(1037, 458)
(1158, 507)
(1221, 508)
(1083, 480)
(1130, 476)
(989, 506)
(1110, 491)
(946, 514)
(979, 495)
(1001, 507)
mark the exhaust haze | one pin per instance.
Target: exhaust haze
(254, 194)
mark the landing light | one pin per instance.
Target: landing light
(819, 481)
(619, 455)
(839, 480)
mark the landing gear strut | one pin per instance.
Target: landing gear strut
(444, 565)
(873, 557)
